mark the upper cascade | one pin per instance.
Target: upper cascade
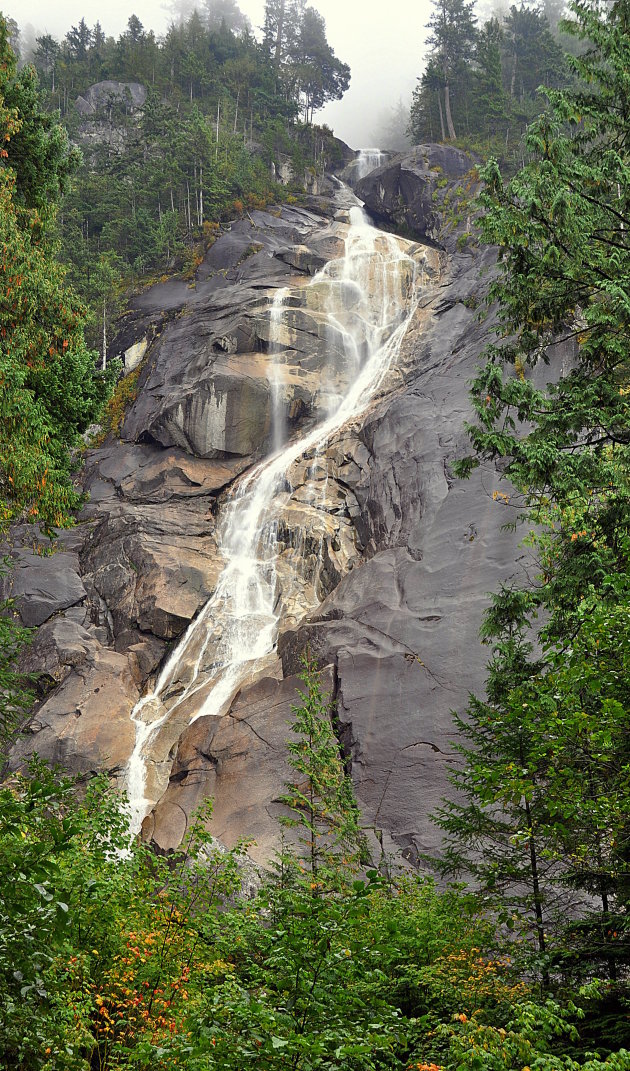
(367, 160)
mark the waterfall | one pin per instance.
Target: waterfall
(368, 160)
(275, 373)
(368, 298)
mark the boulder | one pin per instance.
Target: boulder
(427, 193)
(98, 98)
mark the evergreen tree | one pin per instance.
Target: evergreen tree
(226, 13)
(51, 391)
(561, 225)
(452, 37)
(490, 101)
(533, 58)
(320, 797)
(45, 59)
(321, 76)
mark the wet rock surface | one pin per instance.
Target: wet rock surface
(400, 555)
(426, 193)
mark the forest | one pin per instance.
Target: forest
(218, 109)
(511, 951)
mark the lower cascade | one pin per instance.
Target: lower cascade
(366, 299)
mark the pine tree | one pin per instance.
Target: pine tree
(490, 101)
(320, 796)
(452, 37)
(562, 225)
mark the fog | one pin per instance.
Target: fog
(383, 43)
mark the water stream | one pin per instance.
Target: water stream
(367, 297)
(368, 160)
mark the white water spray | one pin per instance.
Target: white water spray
(369, 297)
(368, 160)
(275, 372)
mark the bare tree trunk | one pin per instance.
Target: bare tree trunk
(280, 31)
(201, 195)
(104, 333)
(441, 116)
(216, 151)
(236, 112)
(447, 107)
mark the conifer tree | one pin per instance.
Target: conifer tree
(562, 226)
(452, 26)
(320, 796)
(51, 389)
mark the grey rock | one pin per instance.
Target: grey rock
(43, 584)
(405, 572)
(426, 193)
(220, 757)
(100, 97)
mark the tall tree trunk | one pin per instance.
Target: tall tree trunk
(447, 107)
(278, 54)
(104, 333)
(439, 98)
(201, 195)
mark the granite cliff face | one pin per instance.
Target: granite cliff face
(399, 572)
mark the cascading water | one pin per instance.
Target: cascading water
(368, 160)
(368, 296)
(275, 374)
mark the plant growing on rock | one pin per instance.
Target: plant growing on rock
(320, 798)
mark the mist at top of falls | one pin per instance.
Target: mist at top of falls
(383, 44)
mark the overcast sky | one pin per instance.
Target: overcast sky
(382, 41)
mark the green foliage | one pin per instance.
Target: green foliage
(542, 818)
(320, 798)
(533, 1035)
(50, 388)
(481, 85)
(219, 113)
(112, 957)
(15, 695)
(124, 394)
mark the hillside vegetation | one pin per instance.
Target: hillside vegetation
(114, 958)
(216, 114)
